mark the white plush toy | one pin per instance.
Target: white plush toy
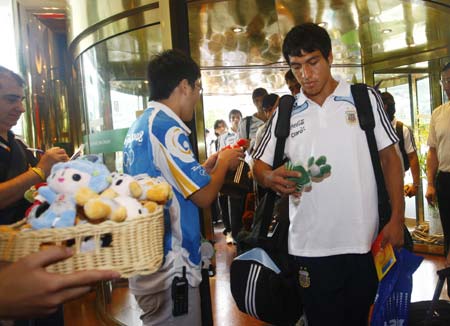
(123, 185)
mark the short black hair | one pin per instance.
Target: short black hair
(219, 122)
(387, 98)
(234, 111)
(9, 73)
(446, 67)
(166, 70)
(269, 101)
(308, 38)
(257, 92)
(289, 76)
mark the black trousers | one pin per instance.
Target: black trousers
(443, 198)
(235, 211)
(337, 290)
(222, 201)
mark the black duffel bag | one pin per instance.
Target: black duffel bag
(264, 278)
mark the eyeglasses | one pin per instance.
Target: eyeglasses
(445, 81)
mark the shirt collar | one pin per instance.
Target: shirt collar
(170, 113)
(342, 89)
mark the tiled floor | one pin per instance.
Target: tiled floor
(225, 313)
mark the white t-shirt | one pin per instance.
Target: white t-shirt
(255, 123)
(439, 136)
(339, 215)
(228, 138)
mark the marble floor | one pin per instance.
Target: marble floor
(225, 313)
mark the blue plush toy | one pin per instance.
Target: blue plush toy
(62, 185)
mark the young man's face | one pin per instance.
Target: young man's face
(312, 71)
(221, 128)
(258, 100)
(235, 118)
(445, 78)
(11, 106)
(294, 86)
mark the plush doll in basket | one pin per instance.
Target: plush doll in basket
(64, 182)
(116, 203)
(154, 189)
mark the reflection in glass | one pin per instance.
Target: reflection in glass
(113, 78)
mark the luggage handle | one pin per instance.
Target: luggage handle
(443, 274)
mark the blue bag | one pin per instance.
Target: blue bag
(394, 291)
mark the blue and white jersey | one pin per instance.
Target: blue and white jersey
(158, 144)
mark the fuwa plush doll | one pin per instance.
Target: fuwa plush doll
(63, 183)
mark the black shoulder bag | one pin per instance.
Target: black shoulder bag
(367, 123)
(263, 279)
(237, 183)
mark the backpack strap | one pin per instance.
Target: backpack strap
(401, 143)
(248, 122)
(281, 133)
(367, 123)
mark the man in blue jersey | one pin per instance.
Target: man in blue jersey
(158, 144)
(335, 221)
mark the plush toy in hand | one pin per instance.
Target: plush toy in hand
(316, 171)
(65, 180)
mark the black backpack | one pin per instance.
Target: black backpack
(367, 123)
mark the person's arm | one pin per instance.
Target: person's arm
(225, 160)
(14, 189)
(432, 167)
(28, 290)
(393, 177)
(411, 189)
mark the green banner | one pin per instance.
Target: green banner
(105, 141)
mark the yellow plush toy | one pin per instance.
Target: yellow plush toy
(154, 189)
(98, 208)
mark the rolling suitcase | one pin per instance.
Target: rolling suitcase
(435, 312)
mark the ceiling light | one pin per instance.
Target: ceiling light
(386, 31)
(238, 29)
(323, 24)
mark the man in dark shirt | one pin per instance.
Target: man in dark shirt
(19, 169)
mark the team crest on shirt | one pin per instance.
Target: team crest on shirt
(303, 278)
(350, 117)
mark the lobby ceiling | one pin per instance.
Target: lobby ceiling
(251, 32)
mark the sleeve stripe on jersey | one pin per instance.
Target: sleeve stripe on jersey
(264, 141)
(383, 117)
(187, 187)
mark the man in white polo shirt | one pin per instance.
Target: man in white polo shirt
(335, 220)
(438, 160)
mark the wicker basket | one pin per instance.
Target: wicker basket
(136, 246)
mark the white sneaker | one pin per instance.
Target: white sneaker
(228, 238)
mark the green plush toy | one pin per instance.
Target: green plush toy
(316, 171)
